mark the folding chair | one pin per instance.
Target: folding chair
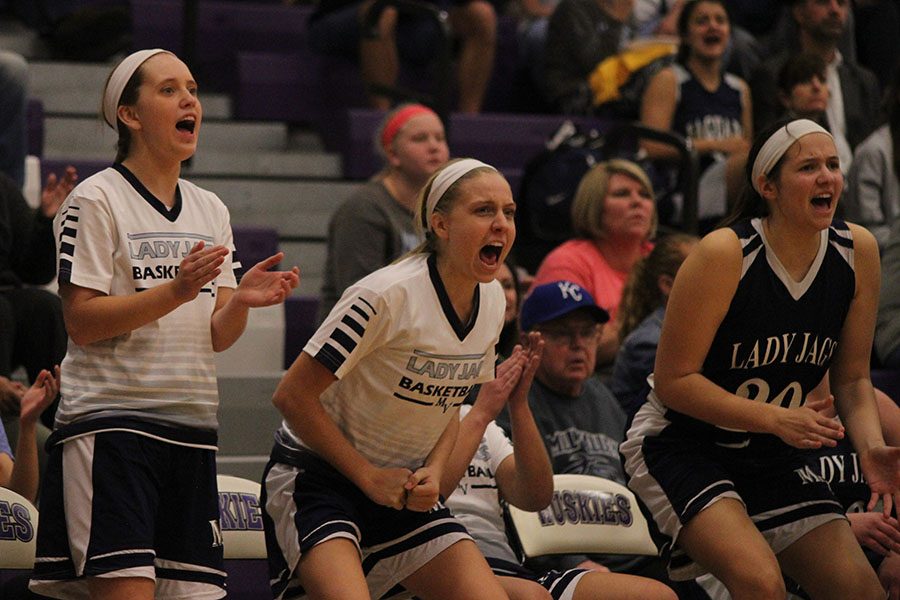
(588, 515)
(240, 518)
(18, 534)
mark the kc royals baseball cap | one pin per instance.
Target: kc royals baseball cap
(553, 300)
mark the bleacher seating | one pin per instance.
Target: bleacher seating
(300, 324)
(254, 244)
(507, 141)
(244, 542)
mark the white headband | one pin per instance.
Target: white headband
(444, 180)
(119, 78)
(775, 147)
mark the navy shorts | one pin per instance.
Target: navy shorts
(122, 504)
(560, 584)
(676, 474)
(306, 502)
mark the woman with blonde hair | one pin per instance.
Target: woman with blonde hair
(371, 410)
(614, 219)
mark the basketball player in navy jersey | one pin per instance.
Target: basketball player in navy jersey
(351, 495)
(760, 310)
(149, 284)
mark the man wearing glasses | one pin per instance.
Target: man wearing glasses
(579, 419)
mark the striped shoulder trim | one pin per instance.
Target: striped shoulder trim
(751, 243)
(68, 231)
(841, 239)
(346, 336)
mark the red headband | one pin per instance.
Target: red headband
(401, 118)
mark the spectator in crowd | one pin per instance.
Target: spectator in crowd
(659, 18)
(580, 34)
(696, 98)
(854, 93)
(640, 318)
(337, 27)
(376, 224)
(887, 330)
(509, 335)
(13, 140)
(31, 318)
(485, 467)
(803, 88)
(803, 92)
(873, 186)
(19, 472)
(614, 218)
(577, 416)
(715, 451)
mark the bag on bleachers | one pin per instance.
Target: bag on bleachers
(549, 181)
(617, 83)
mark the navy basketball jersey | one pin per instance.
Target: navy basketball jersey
(779, 335)
(704, 115)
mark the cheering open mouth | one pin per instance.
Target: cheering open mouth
(490, 253)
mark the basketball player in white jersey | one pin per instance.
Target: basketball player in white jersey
(351, 495)
(149, 282)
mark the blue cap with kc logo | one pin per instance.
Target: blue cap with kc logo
(553, 300)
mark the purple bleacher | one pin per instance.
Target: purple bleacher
(299, 325)
(254, 244)
(279, 87)
(85, 168)
(888, 381)
(225, 29)
(34, 125)
(157, 24)
(248, 579)
(506, 141)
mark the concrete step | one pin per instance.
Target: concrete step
(85, 137)
(319, 165)
(310, 257)
(295, 208)
(247, 422)
(283, 165)
(75, 88)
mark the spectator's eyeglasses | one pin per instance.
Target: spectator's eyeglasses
(567, 336)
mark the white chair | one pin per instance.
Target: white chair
(588, 515)
(18, 534)
(18, 531)
(240, 518)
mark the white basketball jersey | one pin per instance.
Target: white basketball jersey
(403, 360)
(115, 237)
